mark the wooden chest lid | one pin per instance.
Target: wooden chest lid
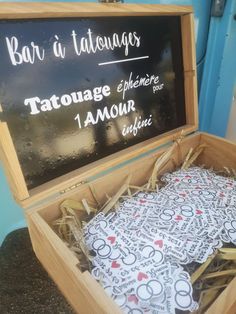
(84, 87)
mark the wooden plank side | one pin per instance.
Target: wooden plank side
(190, 75)
(59, 9)
(11, 164)
(226, 302)
(219, 152)
(82, 292)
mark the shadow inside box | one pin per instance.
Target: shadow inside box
(25, 286)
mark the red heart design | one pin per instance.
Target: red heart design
(142, 201)
(159, 243)
(142, 276)
(188, 177)
(114, 264)
(199, 212)
(176, 180)
(112, 239)
(133, 298)
(178, 218)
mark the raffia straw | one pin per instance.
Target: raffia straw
(70, 228)
(63, 230)
(207, 297)
(221, 266)
(93, 192)
(229, 272)
(187, 158)
(116, 197)
(69, 203)
(202, 268)
(159, 164)
(78, 236)
(227, 170)
(163, 160)
(206, 300)
(77, 233)
(108, 197)
(138, 189)
(227, 254)
(107, 202)
(86, 206)
(194, 156)
(215, 288)
(62, 224)
(129, 191)
(199, 302)
(74, 216)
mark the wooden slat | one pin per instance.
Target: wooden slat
(219, 152)
(81, 290)
(18, 10)
(190, 75)
(226, 302)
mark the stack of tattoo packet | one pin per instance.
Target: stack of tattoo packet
(140, 250)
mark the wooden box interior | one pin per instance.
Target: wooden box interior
(82, 291)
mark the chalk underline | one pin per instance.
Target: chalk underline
(123, 60)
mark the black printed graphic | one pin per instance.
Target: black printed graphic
(76, 90)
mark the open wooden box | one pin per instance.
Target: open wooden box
(41, 202)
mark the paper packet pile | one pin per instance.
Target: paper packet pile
(140, 248)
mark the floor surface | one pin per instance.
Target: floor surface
(24, 285)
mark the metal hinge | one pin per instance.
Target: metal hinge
(72, 187)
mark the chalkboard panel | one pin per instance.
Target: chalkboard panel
(78, 89)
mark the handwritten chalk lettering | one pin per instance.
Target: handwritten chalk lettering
(147, 80)
(92, 44)
(27, 54)
(55, 102)
(77, 117)
(156, 88)
(107, 114)
(136, 126)
(58, 50)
